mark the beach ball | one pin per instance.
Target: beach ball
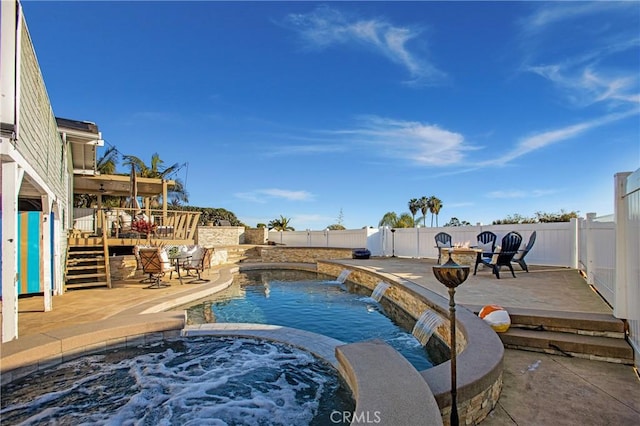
(496, 316)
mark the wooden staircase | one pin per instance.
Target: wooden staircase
(87, 263)
(599, 337)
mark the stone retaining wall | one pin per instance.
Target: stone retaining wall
(220, 236)
(256, 236)
(303, 254)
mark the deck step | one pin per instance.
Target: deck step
(95, 258)
(570, 344)
(87, 284)
(84, 276)
(86, 267)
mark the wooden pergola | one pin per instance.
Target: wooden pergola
(120, 185)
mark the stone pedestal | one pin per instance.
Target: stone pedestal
(462, 256)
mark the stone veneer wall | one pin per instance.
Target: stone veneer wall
(304, 254)
(220, 236)
(257, 236)
(124, 268)
(471, 408)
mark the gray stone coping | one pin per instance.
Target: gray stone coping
(388, 390)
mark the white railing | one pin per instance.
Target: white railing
(597, 254)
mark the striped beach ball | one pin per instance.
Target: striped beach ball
(496, 316)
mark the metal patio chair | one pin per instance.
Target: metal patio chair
(156, 263)
(198, 264)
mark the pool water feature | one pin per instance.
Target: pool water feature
(426, 326)
(311, 302)
(205, 380)
(379, 291)
(343, 276)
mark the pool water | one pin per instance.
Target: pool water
(199, 381)
(311, 302)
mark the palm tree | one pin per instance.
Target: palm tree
(178, 193)
(405, 221)
(106, 164)
(281, 224)
(392, 220)
(389, 219)
(424, 207)
(414, 206)
(436, 206)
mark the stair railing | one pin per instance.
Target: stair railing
(105, 247)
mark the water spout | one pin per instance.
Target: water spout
(425, 326)
(343, 276)
(378, 292)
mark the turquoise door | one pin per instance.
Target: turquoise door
(30, 263)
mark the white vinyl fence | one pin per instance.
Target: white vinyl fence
(627, 259)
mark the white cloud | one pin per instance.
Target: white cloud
(424, 144)
(587, 86)
(558, 12)
(264, 195)
(541, 140)
(590, 71)
(325, 27)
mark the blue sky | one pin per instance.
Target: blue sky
(313, 110)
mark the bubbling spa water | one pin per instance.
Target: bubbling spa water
(313, 302)
(197, 381)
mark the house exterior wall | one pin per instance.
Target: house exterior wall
(34, 165)
(39, 141)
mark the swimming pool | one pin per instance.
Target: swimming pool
(312, 302)
(205, 380)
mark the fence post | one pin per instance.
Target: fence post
(575, 249)
(621, 215)
(590, 245)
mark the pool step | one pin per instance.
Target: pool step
(580, 334)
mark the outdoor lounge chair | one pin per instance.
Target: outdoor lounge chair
(200, 261)
(442, 240)
(155, 262)
(519, 256)
(503, 255)
(487, 242)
